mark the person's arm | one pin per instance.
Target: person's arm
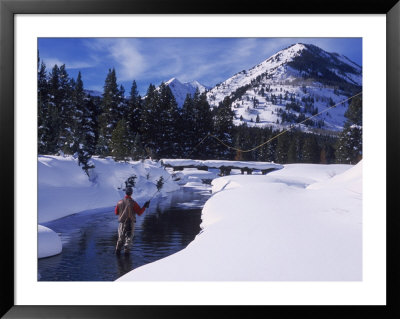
(137, 209)
(116, 210)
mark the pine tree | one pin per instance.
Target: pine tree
(293, 150)
(243, 141)
(354, 111)
(196, 118)
(150, 120)
(66, 106)
(102, 148)
(122, 108)
(281, 155)
(56, 111)
(203, 123)
(111, 113)
(223, 129)
(188, 135)
(119, 144)
(134, 110)
(85, 127)
(87, 144)
(310, 150)
(267, 152)
(349, 145)
(43, 110)
(75, 133)
(138, 152)
(327, 155)
(167, 132)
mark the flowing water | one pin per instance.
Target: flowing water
(89, 238)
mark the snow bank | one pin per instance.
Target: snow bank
(49, 243)
(64, 188)
(351, 181)
(301, 223)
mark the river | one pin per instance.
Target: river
(89, 238)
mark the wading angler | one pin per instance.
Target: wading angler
(127, 209)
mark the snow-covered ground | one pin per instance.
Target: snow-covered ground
(301, 223)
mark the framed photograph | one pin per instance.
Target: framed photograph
(184, 50)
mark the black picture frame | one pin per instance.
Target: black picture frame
(9, 8)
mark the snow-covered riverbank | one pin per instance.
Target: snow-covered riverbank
(65, 189)
(301, 223)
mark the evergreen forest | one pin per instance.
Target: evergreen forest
(126, 126)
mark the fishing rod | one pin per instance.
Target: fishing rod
(159, 188)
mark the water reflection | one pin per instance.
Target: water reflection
(89, 238)
(124, 264)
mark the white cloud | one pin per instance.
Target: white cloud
(121, 53)
(50, 62)
(245, 48)
(131, 63)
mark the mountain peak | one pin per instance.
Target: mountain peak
(172, 80)
(181, 90)
(296, 46)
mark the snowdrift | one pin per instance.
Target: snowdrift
(49, 243)
(301, 223)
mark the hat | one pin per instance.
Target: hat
(128, 190)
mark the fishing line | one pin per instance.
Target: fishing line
(264, 143)
(274, 137)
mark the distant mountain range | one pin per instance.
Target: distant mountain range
(293, 84)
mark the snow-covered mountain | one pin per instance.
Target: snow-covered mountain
(180, 90)
(292, 85)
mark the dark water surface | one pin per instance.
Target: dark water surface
(89, 238)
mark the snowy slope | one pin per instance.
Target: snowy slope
(64, 188)
(301, 223)
(301, 74)
(180, 90)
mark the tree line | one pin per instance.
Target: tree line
(71, 121)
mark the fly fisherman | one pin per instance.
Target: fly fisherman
(127, 209)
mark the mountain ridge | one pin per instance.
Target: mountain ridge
(288, 87)
(291, 85)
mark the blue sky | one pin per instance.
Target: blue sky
(153, 60)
